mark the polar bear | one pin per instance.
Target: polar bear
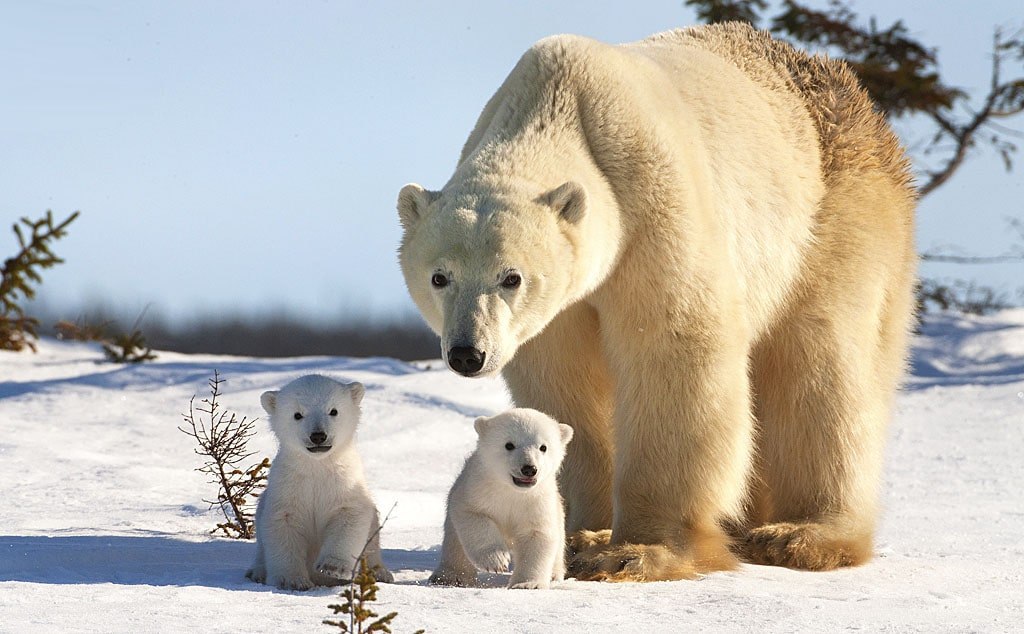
(506, 498)
(316, 515)
(696, 250)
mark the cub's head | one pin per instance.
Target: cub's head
(489, 268)
(522, 447)
(314, 414)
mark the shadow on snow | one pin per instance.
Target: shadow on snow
(154, 560)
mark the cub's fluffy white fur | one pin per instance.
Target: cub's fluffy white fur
(505, 504)
(316, 514)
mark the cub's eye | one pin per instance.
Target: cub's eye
(298, 416)
(438, 280)
(512, 280)
(543, 448)
(333, 412)
(509, 446)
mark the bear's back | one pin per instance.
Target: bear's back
(851, 133)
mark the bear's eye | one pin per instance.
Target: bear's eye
(509, 446)
(439, 280)
(543, 448)
(334, 412)
(298, 416)
(512, 280)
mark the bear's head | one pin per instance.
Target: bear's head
(490, 267)
(522, 447)
(314, 414)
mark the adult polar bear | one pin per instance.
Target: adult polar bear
(696, 250)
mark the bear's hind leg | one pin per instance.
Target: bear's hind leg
(823, 405)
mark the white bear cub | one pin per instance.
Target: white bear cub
(316, 514)
(506, 498)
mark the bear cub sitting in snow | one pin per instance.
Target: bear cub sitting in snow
(316, 514)
(506, 498)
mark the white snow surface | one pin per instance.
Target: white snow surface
(103, 527)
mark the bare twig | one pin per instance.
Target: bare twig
(223, 440)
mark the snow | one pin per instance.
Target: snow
(103, 527)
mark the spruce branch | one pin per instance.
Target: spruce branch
(222, 440)
(361, 591)
(20, 272)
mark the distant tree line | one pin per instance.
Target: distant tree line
(402, 337)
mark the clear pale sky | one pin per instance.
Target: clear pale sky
(245, 157)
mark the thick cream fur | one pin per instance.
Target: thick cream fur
(316, 515)
(721, 312)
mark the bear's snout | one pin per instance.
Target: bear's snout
(528, 470)
(318, 437)
(465, 360)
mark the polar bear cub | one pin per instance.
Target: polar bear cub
(506, 499)
(316, 515)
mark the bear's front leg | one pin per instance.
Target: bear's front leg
(455, 568)
(683, 435)
(258, 571)
(285, 550)
(482, 541)
(562, 372)
(535, 557)
(346, 536)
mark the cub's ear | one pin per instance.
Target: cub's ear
(269, 401)
(413, 201)
(480, 425)
(358, 391)
(566, 433)
(569, 200)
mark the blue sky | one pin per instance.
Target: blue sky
(245, 157)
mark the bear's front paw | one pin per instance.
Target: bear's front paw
(336, 567)
(648, 562)
(257, 574)
(582, 541)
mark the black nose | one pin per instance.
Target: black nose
(465, 360)
(529, 470)
(318, 437)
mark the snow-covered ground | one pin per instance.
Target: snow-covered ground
(103, 527)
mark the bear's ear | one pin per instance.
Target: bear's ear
(569, 200)
(413, 201)
(357, 390)
(566, 433)
(269, 401)
(480, 424)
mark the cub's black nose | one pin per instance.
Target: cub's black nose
(465, 360)
(528, 470)
(318, 437)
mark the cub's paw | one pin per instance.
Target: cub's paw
(452, 578)
(494, 560)
(336, 567)
(383, 575)
(805, 546)
(257, 574)
(296, 582)
(529, 585)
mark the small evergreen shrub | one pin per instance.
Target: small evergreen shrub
(18, 275)
(223, 441)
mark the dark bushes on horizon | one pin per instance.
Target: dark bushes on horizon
(406, 338)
